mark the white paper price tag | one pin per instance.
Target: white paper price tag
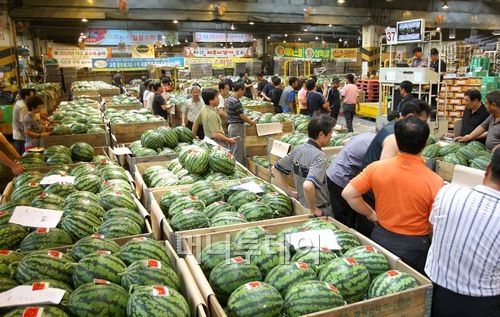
(52, 179)
(269, 128)
(25, 295)
(313, 238)
(210, 141)
(250, 186)
(279, 148)
(35, 217)
(390, 34)
(121, 150)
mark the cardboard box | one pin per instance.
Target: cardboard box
(445, 170)
(412, 302)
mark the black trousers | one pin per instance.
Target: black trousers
(19, 146)
(446, 303)
(335, 113)
(344, 213)
(410, 249)
(199, 133)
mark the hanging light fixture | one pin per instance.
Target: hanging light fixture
(84, 20)
(175, 21)
(232, 27)
(305, 28)
(445, 5)
(340, 1)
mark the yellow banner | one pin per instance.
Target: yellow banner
(216, 62)
(345, 54)
(143, 51)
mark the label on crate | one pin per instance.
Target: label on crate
(26, 295)
(123, 150)
(35, 217)
(57, 178)
(280, 149)
(250, 186)
(269, 128)
(313, 239)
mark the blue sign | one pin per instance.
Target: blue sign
(105, 64)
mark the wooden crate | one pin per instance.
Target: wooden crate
(261, 109)
(257, 145)
(258, 170)
(130, 132)
(131, 161)
(445, 170)
(96, 140)
(128, 107)
(411, 303)
(85, 93)
(112, 91)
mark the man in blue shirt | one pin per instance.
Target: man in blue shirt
(315, 101)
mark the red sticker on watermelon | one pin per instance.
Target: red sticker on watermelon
(301, 265)
(237, 259)
(33, 184)
(63, 173)
(4, 213)
(33, 312)
(154, 263)
(37, 286)
(104, 161)
(302, 229)
(42, 230)
(324, 220)
(55, 254)
(370, 248)
(43, 195)
(392, 273)
(351, 261)
(106, 183)
(331, 287)
(140, 238)
(101, 281)
(220, 202)
(103, 252)
(229, 155)
(252, 285)
(97, 236)
(160, 290)
(193, 198)
(188, 211)
(5, 252)
(325, 249)
(119, 193)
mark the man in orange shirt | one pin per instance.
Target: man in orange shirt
(404, 189)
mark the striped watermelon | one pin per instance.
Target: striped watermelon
(183, 203)
(346, 240)
(217, 252)
(189, 219)
(184, 134)
(318, 224)
(125, 213)
(38, 311)
(209, 196)
(280, 204)
(349, 276)
(230, 274)
(119, 227)
(284, 276)
(255, 299)
(26, 193)
(11, 236)
(34, 266)
(268, 254)
(60, 189)
(168, 198)
(171, 138)
(248, 237)
(98, 266)
(149, 272)
(44, 199)
(44, 238)
(122, 185)
(314, 257)
(194, 159)
(98, 299)
(10, 256)
(4, 268)
(218, 207)
(27, 178)
(6, 211)
(54, 149)
(374, 260)
(152, 140)
(91, 244)
(310, 297)
(142, 248)
(112, 199)
(54, 284)
(85, 206)
(83, 169)
(227, 218)
(80, 224)
(88, 182)
(157, 301)
(241, 197)
(80, 197)
(82, 151)
(58, 159)
(6, 283)
(391, 282)
(255, 211)
(221, 161)
(200, 187)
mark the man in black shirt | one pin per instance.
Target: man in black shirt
(159, 105)
(262, 82)
(435, 61)
(276, 94)
(315, 101)
(475, 112)
(405, 88)
(332, 95)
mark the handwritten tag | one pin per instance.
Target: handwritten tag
(35, 217)
(25, 295)
(250, 186)
(121, 150)
(280, 149)
(57, 178)
(210, 141)
(314, 238)
(269, 128)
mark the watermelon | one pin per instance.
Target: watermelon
(152, 140)
(62, 130)
(98, 299)
(149, 272)
(230, 274)
(314, 257)
(310, 297)
(24, 194)
(476, 145)
(88, 182)
(374, 260)
(248, 237)
(221, 161)
(255, 211)
(119, 227)
(431, 151)
(142, 248)
(349, 276)
(38, 311)
(117, 199)
(157, 300)
(168, 198)
(217, 252)
(267, 255)
(124, 213)
(6, 283)
(480, 163)
(171, 138)
(84, 205)
(240, 197)
(218, 207)
(55, 149)
(58, 159)
(91, 244)
(209, 196)
(448, 149)
(79, 128)
(255, 299)
(318, 224)
(284, 276)
(194, 159)
(11, 236)
(60, 189)
(184, 134)
(44, 238)
(82, 151)
(183, 203)
(54, 284)
(80, 224)
(280, 204)
(189, 219)
(34, 266)
(10, 256)
(80, 197)
(346, 241)
(43, 200)
(98, 266)
(227, 218)
(391, 282)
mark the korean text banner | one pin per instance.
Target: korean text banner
(201, 37)
(106, 64)
(129, 37)
(218, 52)
(73, 56)
(297, 52)
(345, 54)
(217, 62)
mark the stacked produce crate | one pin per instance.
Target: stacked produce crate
(370, 88)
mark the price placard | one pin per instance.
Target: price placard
(56, 178)
(26, 295)
(390, 35)
(313, 239)
(250, 186)
(280, 149)
(269, 128)
(35, 217)
(123, 150)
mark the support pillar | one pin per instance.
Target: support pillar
(370, 49)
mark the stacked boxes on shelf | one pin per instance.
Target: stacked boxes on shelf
(370, 88)
(451, 102)
(458, 54)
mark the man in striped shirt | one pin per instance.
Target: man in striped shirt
(464, 257)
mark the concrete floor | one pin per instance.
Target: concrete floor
(360, 124)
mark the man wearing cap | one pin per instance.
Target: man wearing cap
(332, 95)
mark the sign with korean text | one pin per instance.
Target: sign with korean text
(106, 64)
(345, 54)
(129, 37)
(73, 56)
(133, 51)
(217, 62)
(222, 37)
(218, 52)
(302, 52)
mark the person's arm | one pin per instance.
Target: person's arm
(279, 180)
(32, 134)
(263, 95)
(310, 196)
(247, 119)
(476, 133)
(389, 147)
(357, 203)
(326, 105)
(221, 137)
(15, 167)
(222, 113)
(194, 129)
